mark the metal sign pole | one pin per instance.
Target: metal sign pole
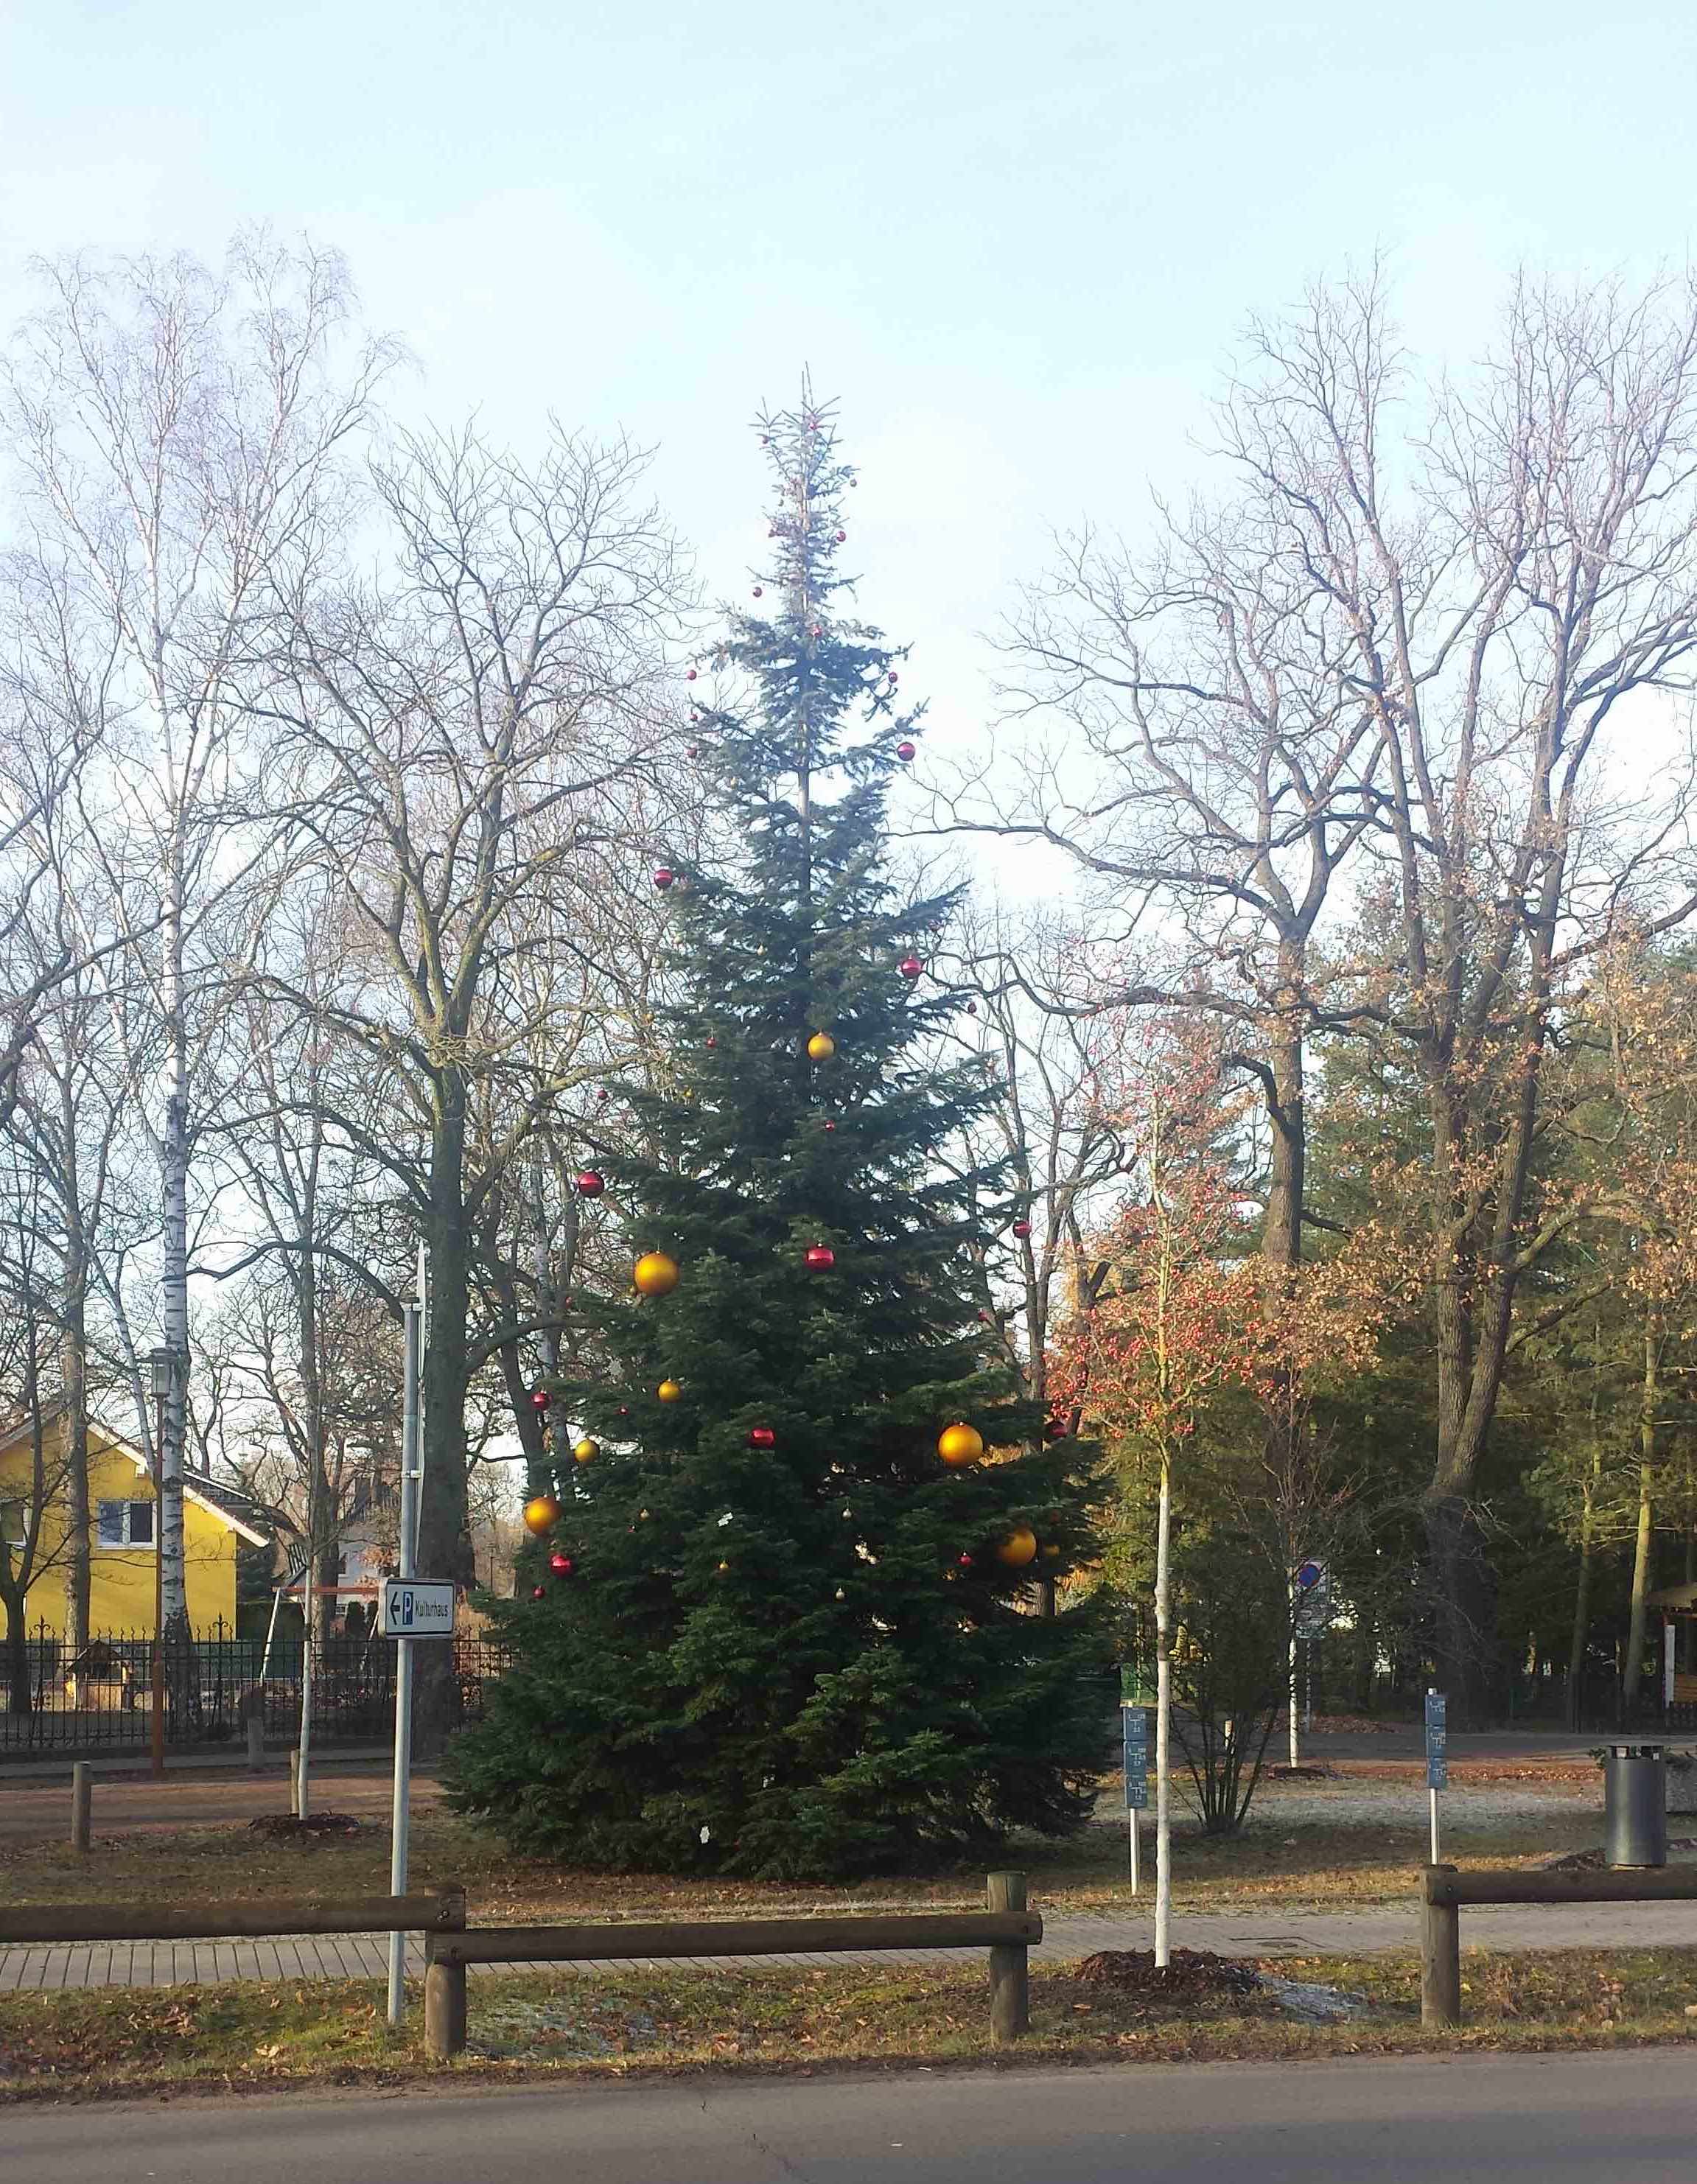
(1437, 1759)
(412, 1465)
(1135, 1761)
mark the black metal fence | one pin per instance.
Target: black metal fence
(101, 1699)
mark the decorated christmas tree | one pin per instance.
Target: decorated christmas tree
(780, 1617)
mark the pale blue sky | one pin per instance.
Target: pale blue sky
(1016, 243)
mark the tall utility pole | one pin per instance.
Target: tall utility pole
(412, 1473)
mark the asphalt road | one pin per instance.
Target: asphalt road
(1622, 2119)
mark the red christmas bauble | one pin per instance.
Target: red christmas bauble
(690, 753)
(1054, 1429)
(540, 1399)
(664, 877)
(965, 1561)
(712, 1042)
(985, 1316)
(906, 753)
(818, 630)
(841, 537)
(1022, 1229)
(590, 1183)
(603, 1094)
(690, 677)
(560, 1564)
(762, 1437)
(821, 1256)
(911, 967)
(829, 1128)
(538, 1592)
(894, 678)
(757, 594)
(971, 1008)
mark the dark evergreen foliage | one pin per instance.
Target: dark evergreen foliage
(804, 1659)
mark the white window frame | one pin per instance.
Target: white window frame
(8, 1502)
(125, 1544)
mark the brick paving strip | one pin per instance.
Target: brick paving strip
(1258, 1934)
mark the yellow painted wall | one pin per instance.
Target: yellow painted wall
(121, 1578)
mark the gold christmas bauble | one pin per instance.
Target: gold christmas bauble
(1019, 1548)
(655, 1274)
(669, 1391)
(820, 1047)
(960, 1445)
(1051, 1553)
(586, 1451)
(542, 1514)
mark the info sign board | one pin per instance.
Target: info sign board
(1134, 1730)
(1313, 1597)
(415, 1607)
(1437, 1748)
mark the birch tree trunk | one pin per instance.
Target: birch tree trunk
(1632, 1671)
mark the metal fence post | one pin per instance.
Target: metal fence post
(1010, 1979)
(82, 1803)
(1440, 1953)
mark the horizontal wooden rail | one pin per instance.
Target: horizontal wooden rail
(1006, 1929)
(444, 1912)
(614, 1942)
(1648, 1885)
(1443, 1890)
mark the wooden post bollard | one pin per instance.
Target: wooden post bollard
(444, 2009)
(81, 1804)
(1440, 1955)
(1009, 1979)
(295, 1779)
(256, 1743)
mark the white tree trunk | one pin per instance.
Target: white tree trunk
(1294, 1746)
(1163, 1722)
(174, 1254)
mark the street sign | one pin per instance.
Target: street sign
(1134, 1732)
(415, 1607)
(1437, 1748)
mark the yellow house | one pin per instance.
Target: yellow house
(121, 1535)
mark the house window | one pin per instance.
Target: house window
(15, 1522)
(126, 1524)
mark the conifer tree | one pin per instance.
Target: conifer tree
(771, 1630)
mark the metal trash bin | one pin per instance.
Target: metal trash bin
(1635, 1805)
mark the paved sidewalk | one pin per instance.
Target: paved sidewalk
(1259, 1934)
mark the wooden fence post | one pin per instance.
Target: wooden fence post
(1440, 1953)
(444, 2008)
(81, 1804)
(295, 1779)
(1009, 1979)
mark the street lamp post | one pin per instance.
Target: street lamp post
(161, 1362)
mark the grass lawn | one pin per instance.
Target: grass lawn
(264, 2037)
(1300, 1861)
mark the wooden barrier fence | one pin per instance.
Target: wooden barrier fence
(441, 1913)
(1006, 1927)
(1444, 1889)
